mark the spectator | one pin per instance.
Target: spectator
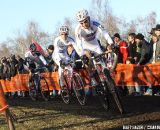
(157, 30)
(145, 49)
(157, 33)
(1, 69)
(155, 47)
(74, 56)
(145, 56)
(155, 54)
(48, 55)
(6, 73)
(132, 54)
(111, 59)
(122, 50)
(20, 67)
(14, 65)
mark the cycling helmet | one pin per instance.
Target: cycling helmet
(82, 15)
(32, 47)
(63, 29)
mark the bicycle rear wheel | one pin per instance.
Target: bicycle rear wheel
(113, 91)
(32, 90)
(65, 92)
(78, 87)
(45, 92)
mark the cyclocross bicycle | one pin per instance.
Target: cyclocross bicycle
(73, 85)
(38, 86)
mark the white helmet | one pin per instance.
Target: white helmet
(82, 15)
(63, 29)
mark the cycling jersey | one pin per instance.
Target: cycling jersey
(35, 59)
(60, 49)
(60, 54)
(87, 39)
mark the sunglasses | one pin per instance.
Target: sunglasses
(64, 34)
(86, 21)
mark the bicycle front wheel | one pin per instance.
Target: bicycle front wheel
(45, 92)
(65, 91)
(78, 87)
(113, 91)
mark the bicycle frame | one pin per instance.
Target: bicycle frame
(73, 84)
(36, 77)
(68, 72)
(37, 80)
(106, 80)
(99, 66)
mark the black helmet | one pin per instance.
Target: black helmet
(51, 47)
(32, 47)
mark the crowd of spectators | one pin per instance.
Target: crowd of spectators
(137, 50)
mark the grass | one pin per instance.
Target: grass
(55, 115)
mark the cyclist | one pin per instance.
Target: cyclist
(86, 34)
(34, 59)
(60, 55)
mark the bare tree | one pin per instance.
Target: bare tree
(35, 33)
(102, 11)
(146, 23)
(69, 22)
(21, 45)
(5, 50)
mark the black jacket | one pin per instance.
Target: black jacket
(132, 48)
(146, 52)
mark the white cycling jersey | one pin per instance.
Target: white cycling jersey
(60, 49)
(35, 58)
(60, 53)
(87, 38)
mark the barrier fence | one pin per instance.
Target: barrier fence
(125, 75)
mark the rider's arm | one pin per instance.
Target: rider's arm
(103, 31)
(55, 55)
(75, 46)
(56, 58)
(78, 38)
(28, 56)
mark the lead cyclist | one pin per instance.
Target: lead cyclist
(86, 34)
